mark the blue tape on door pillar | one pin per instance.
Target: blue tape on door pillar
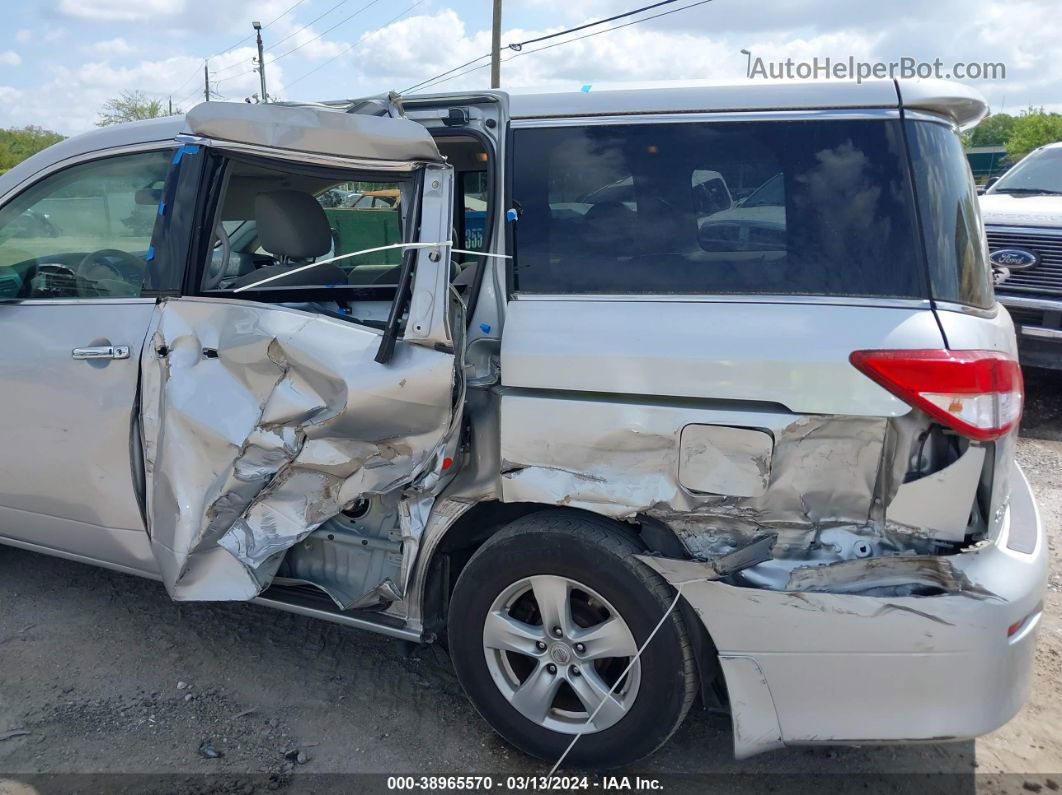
(150, 254)
(187, 149)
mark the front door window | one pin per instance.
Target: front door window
(83, 232)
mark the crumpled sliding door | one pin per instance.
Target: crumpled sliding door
(261, 422)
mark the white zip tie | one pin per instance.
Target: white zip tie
(368, 251)
(634, 659)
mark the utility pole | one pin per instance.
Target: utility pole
(495, 46)
(170, 104)
(206, 81)
(261, 60)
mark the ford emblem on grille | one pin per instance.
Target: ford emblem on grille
(1015, 259)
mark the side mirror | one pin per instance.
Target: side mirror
(991, 181)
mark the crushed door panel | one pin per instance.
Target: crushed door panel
(261, 422)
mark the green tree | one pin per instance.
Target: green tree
(1032, 129)
(131, 106)
(992, 131)
(18, 143)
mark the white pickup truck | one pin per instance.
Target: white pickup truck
(1022, 214)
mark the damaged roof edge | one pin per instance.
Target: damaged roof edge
(314, 129)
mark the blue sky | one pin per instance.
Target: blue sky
(61, 59)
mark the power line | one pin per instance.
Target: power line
(187, 80)
(310, 41)
(274, 45)
(343, 21)
(434, 81)
(518, 46)
(277, 18)
(351, 47)
(284, 14)
(297, 31)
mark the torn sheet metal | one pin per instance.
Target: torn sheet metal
(261, 422)
(940, 502)
(623, 459)
(906, 575)
(808, 646)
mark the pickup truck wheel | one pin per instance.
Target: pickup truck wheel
(546, 618)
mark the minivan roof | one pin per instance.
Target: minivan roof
(959, 103)
(305, 129)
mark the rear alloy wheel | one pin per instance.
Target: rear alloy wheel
(555, 648)
(545, 622)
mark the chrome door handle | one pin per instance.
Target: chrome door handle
(102, 352)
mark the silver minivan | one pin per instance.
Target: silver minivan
(630, 398)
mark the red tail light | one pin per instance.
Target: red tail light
(977, 393)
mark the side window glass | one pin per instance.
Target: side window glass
(472, 187)
(273, 223)
(786, 207)
(955, 240)
(83, 232)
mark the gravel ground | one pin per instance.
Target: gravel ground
(100, 673)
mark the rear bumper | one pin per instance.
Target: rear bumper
(805, 668)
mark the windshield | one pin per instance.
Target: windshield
(1040, 172)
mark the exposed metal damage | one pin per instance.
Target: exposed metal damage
(259, 424)
(812, 488)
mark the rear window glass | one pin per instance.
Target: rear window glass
(947, 199)
(805, 207)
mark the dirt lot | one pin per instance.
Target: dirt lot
(101, 673)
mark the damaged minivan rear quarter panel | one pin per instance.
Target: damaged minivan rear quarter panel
(960, 659)
(801, 432)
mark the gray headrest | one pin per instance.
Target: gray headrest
(292, 224)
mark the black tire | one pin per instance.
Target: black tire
(596, 552)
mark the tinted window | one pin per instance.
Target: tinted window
(955, 240)
(808, 207)
(83, 232)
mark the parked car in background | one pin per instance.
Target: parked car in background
(628, 445)
(1022, 213)
(385, 199)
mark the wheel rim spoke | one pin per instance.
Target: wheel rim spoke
(535, 696)
(592, 691)
(532, 662)
(610, 638)
(552, 595)
(503, 632)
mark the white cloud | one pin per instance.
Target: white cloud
(117, 46)
(407, 52)
(120, 10)
(69, 99)
(9, 94)
(703, 42)
(309, 46)
(10, 58)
